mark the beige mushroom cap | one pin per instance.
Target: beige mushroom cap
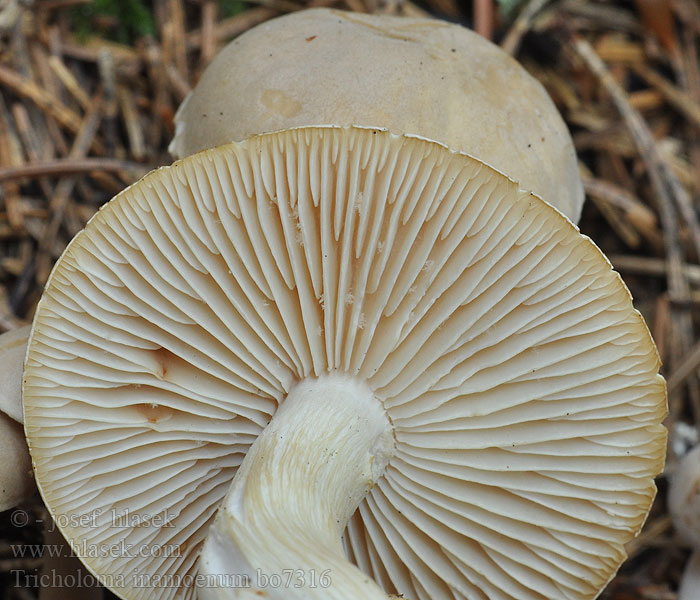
(418, 76)
(16, 477)
(521, 385)
(684, 505)
(684, 498)
(13, 347)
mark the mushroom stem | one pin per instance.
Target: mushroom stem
(690, 582)
(279, 528)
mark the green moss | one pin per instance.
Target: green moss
(127, 20)
(230, 8)
(509, 8)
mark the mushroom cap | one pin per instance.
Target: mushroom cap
(690, 581)
(417, 76)
(16, 477)
(684, 498)
(13, 347)
(521, 384)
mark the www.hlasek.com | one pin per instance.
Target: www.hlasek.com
(83, 549)
(287, 578)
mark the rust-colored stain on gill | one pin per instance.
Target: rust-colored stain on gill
(164, 360)
(153, 412)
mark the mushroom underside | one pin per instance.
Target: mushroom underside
(520, 385)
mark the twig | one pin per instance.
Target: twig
(64, 189)
(618, 196)
(661, 325)
(108, 77)
(621, 226)
(610, 17)
(130, 115)
(646, 100)
(636, 214)
(658, 20)
(31, 144)
(654, 267)
(89, 50)
(49, 82)
(178, 84)
(179, 48)
(54, 4)
(81, 144)
(688, 13)
(69, 81)
(233, 26)
(10, 155)
(284, 6)
(669, 190)
(409, 9)
(521, 26)
(67, 166)
(675, 97)
(445, 7)
(483, 18)
(42, 98)
(615, 50)
(670, 193)
(161, 98)
(108, 183)
(651, 531)
(689, 366)
(209, 33)
(691, 81)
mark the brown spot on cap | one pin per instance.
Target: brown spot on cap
(279, 103)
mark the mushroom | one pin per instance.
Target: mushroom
(345, 360)
(16, 478)
(409, 75)
(684, 505)
(16, 475)
(13, 347)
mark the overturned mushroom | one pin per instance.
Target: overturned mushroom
(416, 76)
(330, 330)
